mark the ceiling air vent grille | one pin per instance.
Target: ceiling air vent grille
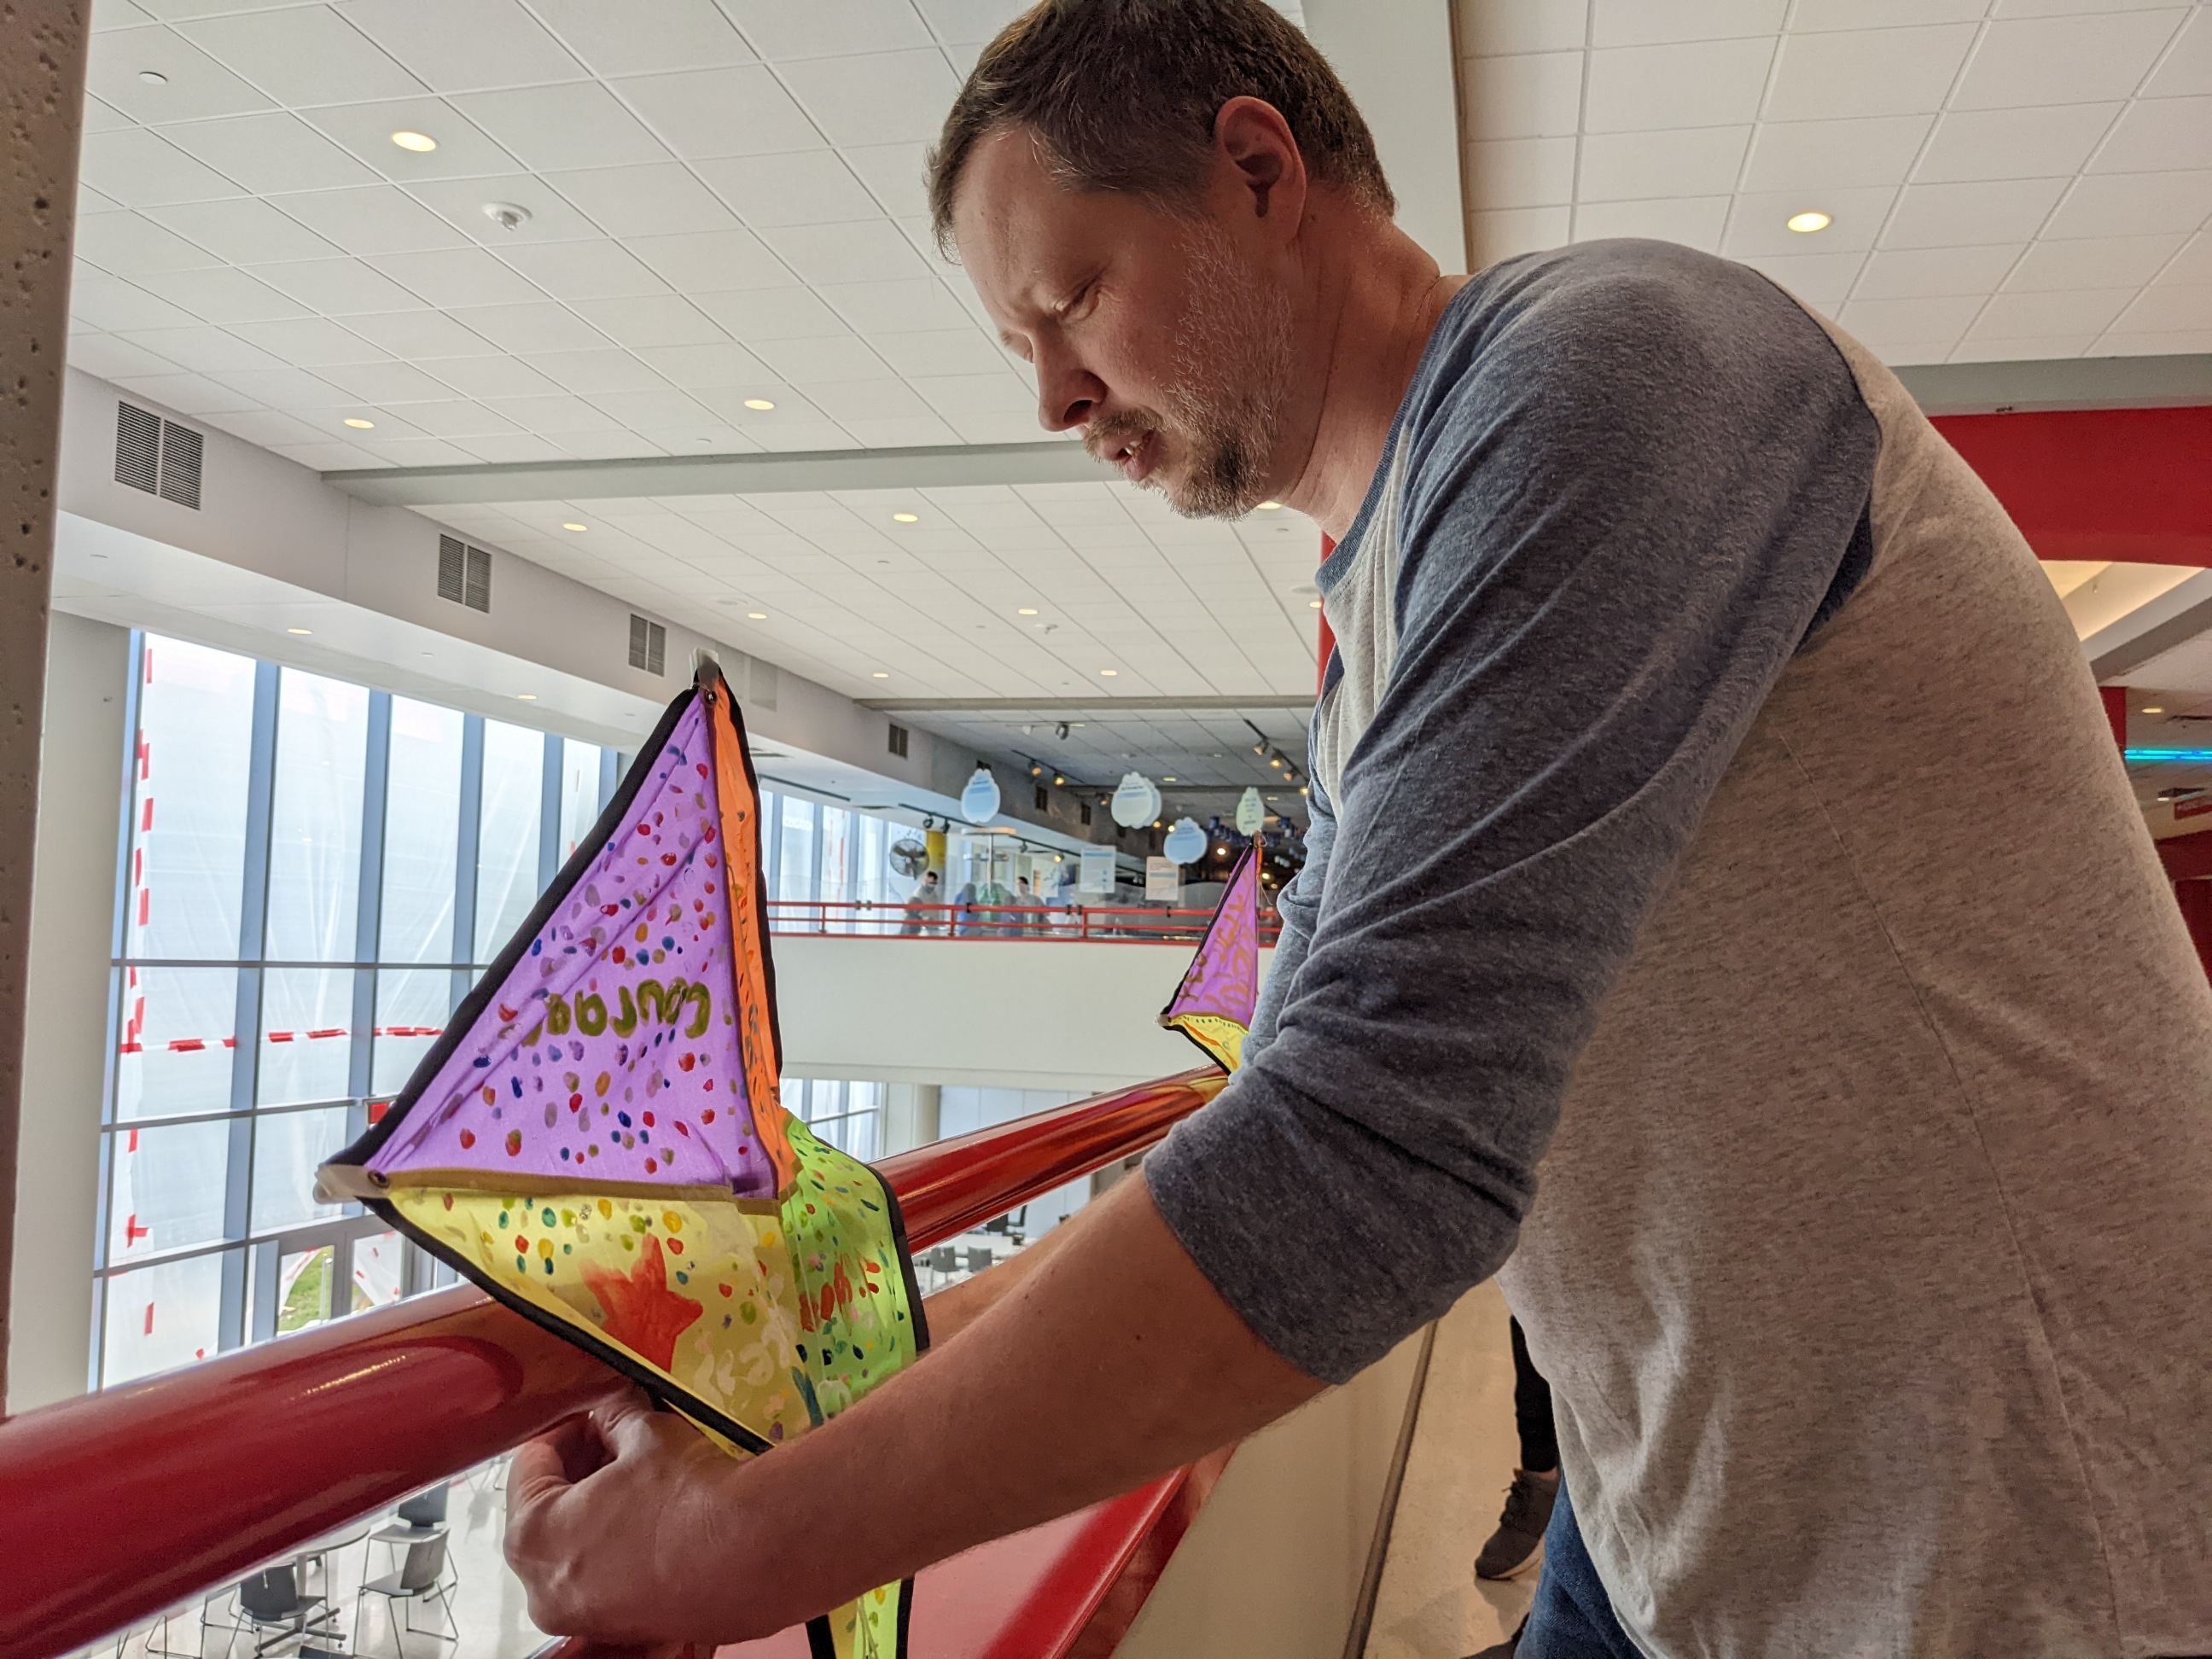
(157, 456)
(649, 646)
(464, 574)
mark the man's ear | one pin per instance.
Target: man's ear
(1262, 161)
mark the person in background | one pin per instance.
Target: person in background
(1536, 1485)
(965, 922)
(920, 907)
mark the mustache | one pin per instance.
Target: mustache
(1106, 438)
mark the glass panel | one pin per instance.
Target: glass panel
(306, 1014)
(287, 1148)
(794, 870)
(871, 862)
(168, 1190)
(422, 825)
(174, 1055)
(378, 1274)
(160, 1317)
(411, 1006)
(303, 1289)
(580, 794)
(507, 843)
(836, 878)
(314, 820)
(188, 802)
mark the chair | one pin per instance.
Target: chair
(421, 1578)
(270, 1601)
(979, 1260)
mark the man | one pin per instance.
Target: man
(921, 908)
(1710, 803)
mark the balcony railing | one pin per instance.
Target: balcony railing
(124, 1504)
(1095, 924)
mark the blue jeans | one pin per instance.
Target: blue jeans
(1571, 1618)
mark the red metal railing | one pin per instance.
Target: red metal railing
(125, 1503)
(1090, 924)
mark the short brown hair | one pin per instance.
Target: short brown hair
(1122, 95)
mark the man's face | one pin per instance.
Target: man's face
(1164, 338)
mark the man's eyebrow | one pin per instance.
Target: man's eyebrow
(1014, 342)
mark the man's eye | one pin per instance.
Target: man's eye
(1080, 302)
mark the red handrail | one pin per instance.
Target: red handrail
(123, 1503)
(1088, 924)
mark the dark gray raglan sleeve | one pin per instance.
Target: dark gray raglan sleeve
(1637, 479)
(1299, 903)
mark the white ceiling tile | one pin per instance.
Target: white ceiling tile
(914, 305)
(759, 314)
(2065, 60)
(1854, 72)
(462, 204)
(1693, 221)
(2134, 203)
(505, 447)
(664, 199)
(90, 201)
(101, 117)
(1675, 161)
(308, 341)
(1535, 96)
(685, 34)
(585, 373)
(972, 23)
(364, 131)
(204, 350)
(385, 383)
(2171, 343)
(551, 415)
(605, 444)
(661, 408)
(417, 452)
(338, 287)
(827, 27)
(197, 88)
(494, 377)
(270, 153)
(537, 325)
(1932, 318)
(900, 432)
(2016, 316)
(1509, 232)
(112, 358)
(1002, 393)
(1706, 83)
(1510, 173)
(418, 336)
(939, 351)
(244, 230)
(376, 219)
(821, 358)
(1760, 222)
(2193, 264)
(712, 260)
(1638, 22)
(597, 270)
(652, 319)
(1935, 272)
(130, 241)
(2045, 143)
(268, 428)
(135, 167)
(720, 112)
(221, 294)
(1800, 155)
(2162, 308)
(895, 175)
(876, 98)
(456, 276)
(301, 55)
(1959, 216)
(1995, 348)
(284, 388)
(461, 44)
(2156, 134)
(697, 367)
(117, 14)
(800, 187)
(867, 251)
(186, 394)
(1497, 28)
(579, 124)
(2187, 67)
(2098, 262)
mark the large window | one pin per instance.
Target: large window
(313, 875)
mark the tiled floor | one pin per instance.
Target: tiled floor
(1431, 1605)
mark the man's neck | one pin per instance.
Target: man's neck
(1378, 297)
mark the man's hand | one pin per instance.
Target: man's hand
(597, 1510)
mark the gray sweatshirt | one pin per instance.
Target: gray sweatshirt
(1724, 900)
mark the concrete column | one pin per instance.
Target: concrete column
(72, 910)
(42, 47)
(910, 1116)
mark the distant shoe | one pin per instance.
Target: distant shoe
(1521, 1529)
(1506, 1649)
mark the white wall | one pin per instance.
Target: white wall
(72, 904)
(1003, 1014)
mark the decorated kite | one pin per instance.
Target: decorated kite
(1214, 1005)
(599, 1140)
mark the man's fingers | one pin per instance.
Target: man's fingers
(633, 1427)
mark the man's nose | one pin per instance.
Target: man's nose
(1068, 395)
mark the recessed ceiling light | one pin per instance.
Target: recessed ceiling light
(1313, 604)
(1167, 779)
(1806, 223)
(422, 143)
(1107, 673)
(578, 528)
(1026, 610)
(154, 78)
(360, 425)
(756, 616)
(299, 630)
(761, 404)
(1271, 506)
(2154, 709)
(879, 675)
(906, 517)
(525, 697)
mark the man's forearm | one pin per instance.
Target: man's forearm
(1107, 1359)
(955, 1308)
